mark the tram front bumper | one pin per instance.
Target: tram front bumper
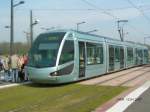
(42, 75)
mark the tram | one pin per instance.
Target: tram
(64, 56)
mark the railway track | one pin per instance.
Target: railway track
(123, 75)
(118, 76)
(134, 78)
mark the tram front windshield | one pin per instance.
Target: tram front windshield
(43, 52)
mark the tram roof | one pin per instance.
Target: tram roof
(100, 36)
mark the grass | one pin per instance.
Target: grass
(65, 98)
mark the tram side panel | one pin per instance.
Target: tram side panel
(91, 56)
(116, 57)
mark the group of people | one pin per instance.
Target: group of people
(14, 68)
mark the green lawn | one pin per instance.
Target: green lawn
(66, 98)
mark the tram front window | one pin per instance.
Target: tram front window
(44, 51)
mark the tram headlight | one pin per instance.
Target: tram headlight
(53, 74)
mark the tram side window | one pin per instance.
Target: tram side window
(99, 54)
(91, 53)
(94, 53)
(67, 53)
(146, 53)
(117, 54)
(130, 54)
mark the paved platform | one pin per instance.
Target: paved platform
(6, 84)
(2, 81)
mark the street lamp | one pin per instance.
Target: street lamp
(92, 31)
(21, 2)
(47, 29)
(32, 23)
(79, 24)
(12, 24)
(7, 27)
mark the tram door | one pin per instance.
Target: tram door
(121, 57)
(111, 58)
(141, 56)
(81, 59)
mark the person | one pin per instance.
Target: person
(1, 64)
(7, 69)
(25, 61)
(14, 66)
(1, 67)
(19, 64)
(22, 61)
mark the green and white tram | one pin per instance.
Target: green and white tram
(66, 56)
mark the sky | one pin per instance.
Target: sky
(101, 15)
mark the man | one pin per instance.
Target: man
(14, 66)
(1, 65)
(25, 60)
(7, 68)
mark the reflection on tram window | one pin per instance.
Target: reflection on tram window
(67, 53)
(130, 54)
(117, 54)
(94, 53)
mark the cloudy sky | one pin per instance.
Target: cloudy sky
(98, 14)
